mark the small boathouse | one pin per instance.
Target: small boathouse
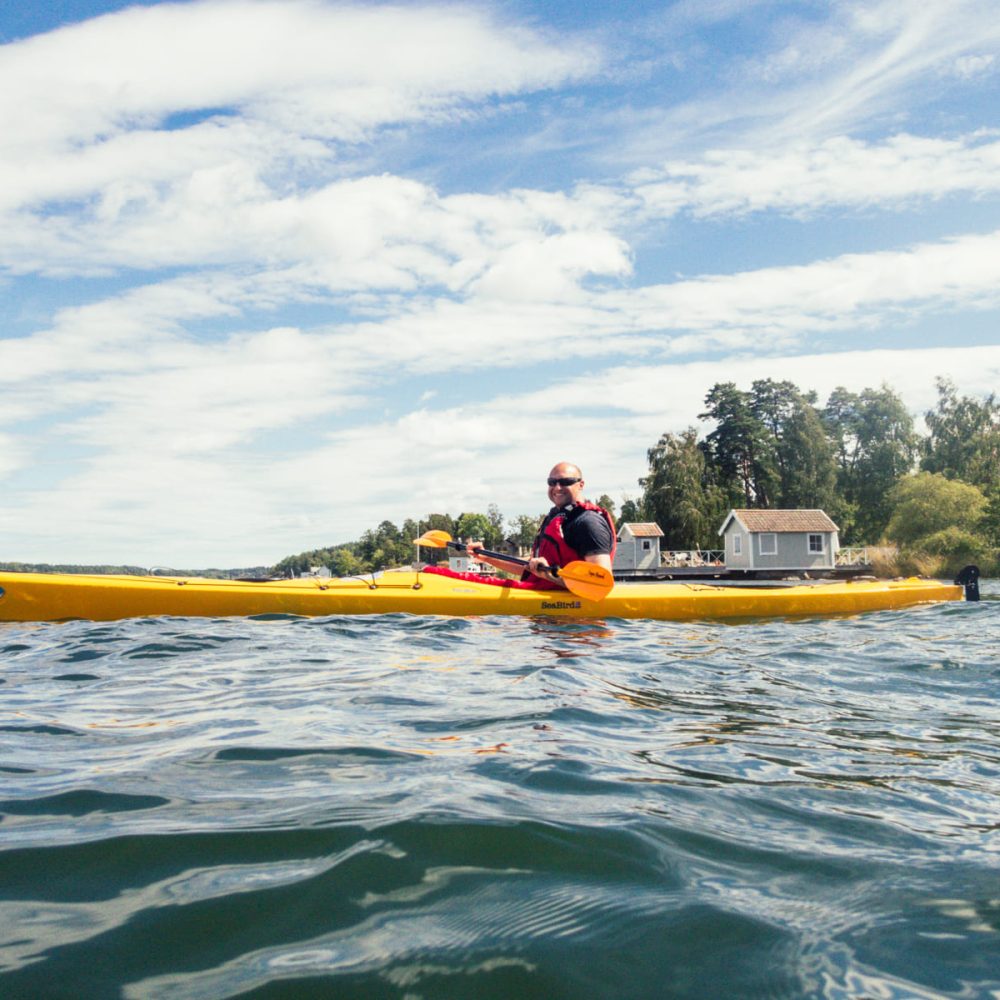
(638, 546)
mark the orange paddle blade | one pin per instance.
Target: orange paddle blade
(434, 539)
(586, 579)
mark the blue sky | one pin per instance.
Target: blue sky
(272, 272)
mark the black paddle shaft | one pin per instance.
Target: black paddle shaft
(500, 555)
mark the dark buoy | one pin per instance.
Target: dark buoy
(968, 577)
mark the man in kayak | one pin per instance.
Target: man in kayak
(574, 529)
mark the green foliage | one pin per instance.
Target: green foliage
(926, 504)
(807, 467)
(384, 547)
(773, 405)
(105, 569)
(769, 448)
(938, 524)
(991, 519)
(387, 546)
(343, 562)
(438, 522)
(632, 510)
(338, 555)
(738, 448)
(680, 494)
(23, 567)
(964, 443)
(475, 528)
(773, 447)
(495, 535)
(955, 542)
(875, 445)
(964, 438)
(525, 529)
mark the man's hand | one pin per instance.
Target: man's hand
(541, 567)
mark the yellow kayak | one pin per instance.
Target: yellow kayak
(34, 597)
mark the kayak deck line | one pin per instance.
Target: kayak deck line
(35, 597)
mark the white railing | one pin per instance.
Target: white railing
(692, 557)
(853, 556)
(862, 555)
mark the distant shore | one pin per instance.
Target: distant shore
(887, 563)
(109, 569)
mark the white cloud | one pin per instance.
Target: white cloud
(851, 70)
(149, 509)
(880, 48)
(98, 102)
(806, 178)
(308, 67)
(12, 451)
(132, 355)
(120, 193)
(765, 308)
(388, 232)
(493, 451)
(549, 269)
(673, 394)
(967, 67)
(113, 155)
(376, 232)
(126, 172)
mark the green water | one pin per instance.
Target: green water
(406, 807)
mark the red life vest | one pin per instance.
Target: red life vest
(551, 543)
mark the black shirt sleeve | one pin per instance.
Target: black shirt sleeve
(588, 533)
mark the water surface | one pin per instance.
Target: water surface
(498, 807)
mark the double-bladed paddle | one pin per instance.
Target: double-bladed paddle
(582, 578)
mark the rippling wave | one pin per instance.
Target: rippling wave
(495, 807)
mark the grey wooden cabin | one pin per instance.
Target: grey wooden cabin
(638, 546)
(779, 540)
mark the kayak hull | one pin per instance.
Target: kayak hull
(34, 597)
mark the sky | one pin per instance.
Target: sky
(274, 271)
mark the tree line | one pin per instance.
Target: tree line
(120, 569)
(859, 457)
(388, 545)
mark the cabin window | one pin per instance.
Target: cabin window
(646, 545)
(816, 543)
(737, 545)
(768, 543)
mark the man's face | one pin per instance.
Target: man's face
(563, 493)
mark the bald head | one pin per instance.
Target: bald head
(565, 484)
(564, 470)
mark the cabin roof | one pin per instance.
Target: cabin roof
(781, 521)
(643, 529)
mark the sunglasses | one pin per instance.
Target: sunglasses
(563, 482)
